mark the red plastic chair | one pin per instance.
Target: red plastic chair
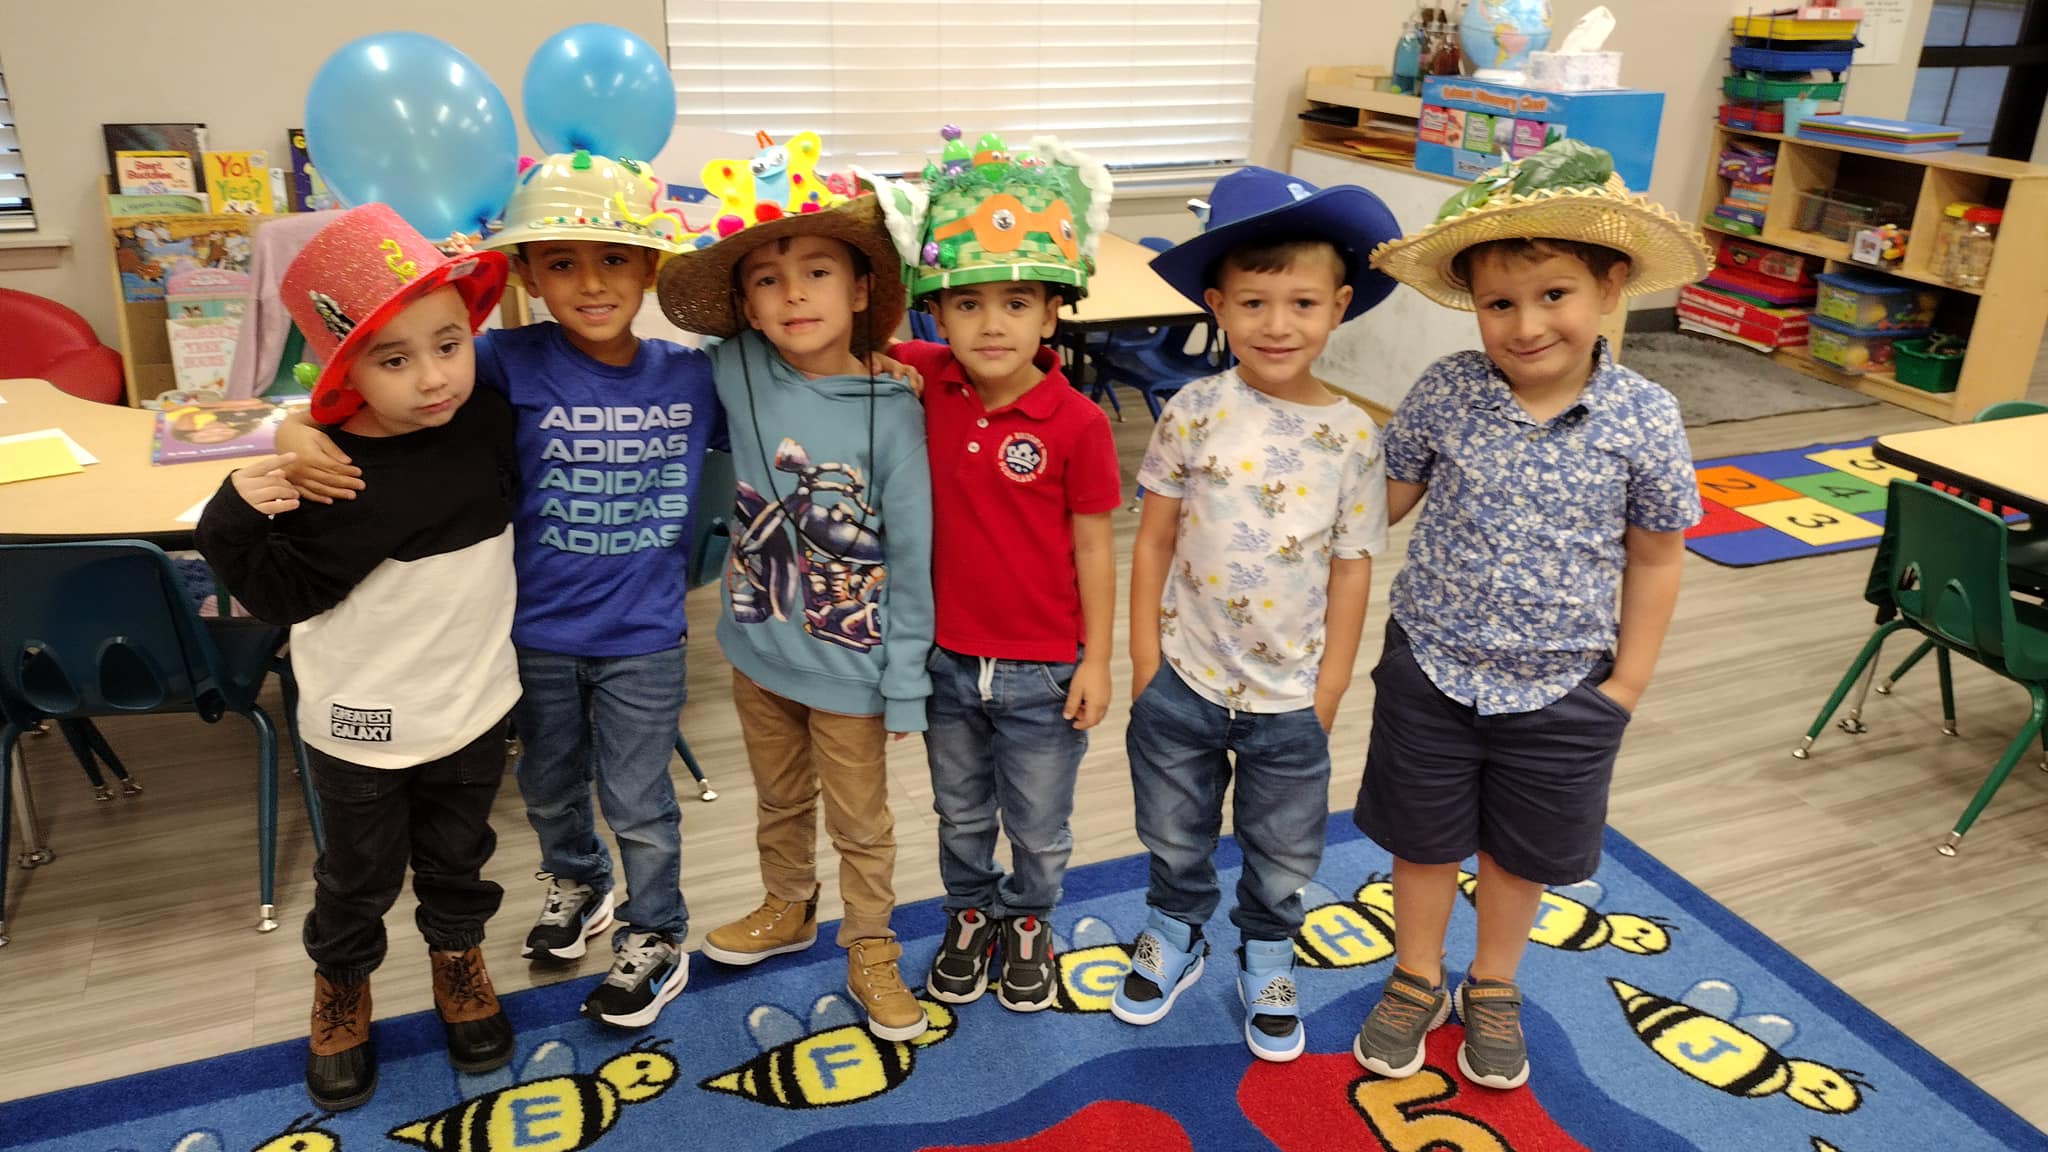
(47, 341)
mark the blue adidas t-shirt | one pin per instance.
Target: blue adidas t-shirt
(609, 459)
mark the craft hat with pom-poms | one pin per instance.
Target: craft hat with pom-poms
(779, 195)
(985, 215)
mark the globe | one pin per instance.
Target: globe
(1498, 35)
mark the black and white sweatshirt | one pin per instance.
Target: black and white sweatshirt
(400, 601)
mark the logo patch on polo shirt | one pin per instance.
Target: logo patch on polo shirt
(367, 725)
(1022, 456)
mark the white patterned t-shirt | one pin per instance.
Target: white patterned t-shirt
(1269, 491)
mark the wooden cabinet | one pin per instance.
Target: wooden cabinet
(2003, 321)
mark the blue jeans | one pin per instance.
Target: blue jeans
(1182, 749)
(998, 746)
(612, 721)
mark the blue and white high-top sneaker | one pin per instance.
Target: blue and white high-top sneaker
(1272, 1009)
(1166, 959)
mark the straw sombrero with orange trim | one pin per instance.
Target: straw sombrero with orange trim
(1567, 191)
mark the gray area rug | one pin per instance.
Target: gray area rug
(1717, 382)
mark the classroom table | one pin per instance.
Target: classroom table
(1124, 292)
(123, 497)
(2005, 460)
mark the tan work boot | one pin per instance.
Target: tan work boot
(341, 1062)
(872, 979)
(776, 927)
(478, 1033)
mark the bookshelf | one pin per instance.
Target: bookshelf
(2003, 321)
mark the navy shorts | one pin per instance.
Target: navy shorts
(1527, 788)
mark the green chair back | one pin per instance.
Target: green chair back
(2008, 409)
(1947, 575)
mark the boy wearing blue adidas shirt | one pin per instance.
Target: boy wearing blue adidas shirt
(610, 439)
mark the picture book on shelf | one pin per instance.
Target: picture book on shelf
(216, 429)
(189, 139)
(239, 182)
(149, 250)
(153, 173)
(206, 293)
(309, 192)
(166, 204)
(201, 350)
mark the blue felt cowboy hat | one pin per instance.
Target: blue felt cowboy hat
(1259, 205)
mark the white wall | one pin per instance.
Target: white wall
(66, 79)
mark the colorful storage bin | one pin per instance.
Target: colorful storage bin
(1917, 367)
(1849, 349)
(1875, 304)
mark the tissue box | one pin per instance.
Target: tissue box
(1624, 123)
(1577, 72)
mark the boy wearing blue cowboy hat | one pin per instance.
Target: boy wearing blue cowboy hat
(1266, 498)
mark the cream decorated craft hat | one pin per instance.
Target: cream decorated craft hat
(578, 196)
(1567, 191)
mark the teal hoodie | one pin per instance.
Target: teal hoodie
(827, 590)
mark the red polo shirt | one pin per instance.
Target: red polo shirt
(1006, 486)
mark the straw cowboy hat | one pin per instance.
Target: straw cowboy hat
(1567, 191)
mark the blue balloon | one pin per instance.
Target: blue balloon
(600, 88)
(406, 120)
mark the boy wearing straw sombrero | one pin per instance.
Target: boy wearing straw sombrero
(1560, 484)
(827, 593)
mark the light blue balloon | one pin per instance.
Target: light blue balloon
(407, 120)
(599, 88)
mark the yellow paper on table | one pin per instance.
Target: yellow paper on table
(36, 458)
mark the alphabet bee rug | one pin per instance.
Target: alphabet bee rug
(1656, 1021)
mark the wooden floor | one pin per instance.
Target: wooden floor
(136, 948)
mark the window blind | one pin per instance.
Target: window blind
(16, 213)
(1135, 83)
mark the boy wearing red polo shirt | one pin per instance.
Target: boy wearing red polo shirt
(1024, 479)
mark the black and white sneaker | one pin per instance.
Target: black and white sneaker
(570, 916)
(1030, 979)
(959, 972)
(648, 971)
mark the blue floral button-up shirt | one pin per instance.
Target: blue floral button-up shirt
(1511, 593)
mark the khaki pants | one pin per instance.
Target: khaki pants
(793, 751)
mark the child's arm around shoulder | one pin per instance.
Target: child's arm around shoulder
(1360, 532)
(1162, 478)
(314, 467)
(1409, 441)
(1094, 490)
(1663, 501)
(906, 507)
(283, 577)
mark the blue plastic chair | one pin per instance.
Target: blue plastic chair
(710, 542)
(923, 326)
(105, 628)
(1154, 362)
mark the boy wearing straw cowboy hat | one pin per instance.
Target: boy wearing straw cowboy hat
(1557, 479)
(400, 606)
(611, 436)
(827, 594)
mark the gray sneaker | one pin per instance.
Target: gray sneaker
(1390, 1040)
(1493, 1053)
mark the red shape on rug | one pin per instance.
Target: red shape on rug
(1104, 1126)
(1327, 1101)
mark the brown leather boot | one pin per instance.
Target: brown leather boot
(341, 1061)
(873, 979)
(775, 928)
(479, 1035)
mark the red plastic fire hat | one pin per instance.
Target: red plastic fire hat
(360, 272)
